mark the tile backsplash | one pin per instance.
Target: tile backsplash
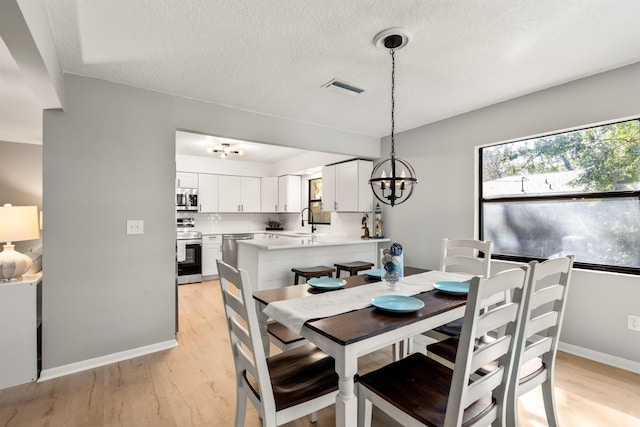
(345, 224)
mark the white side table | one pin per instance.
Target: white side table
(20, 312)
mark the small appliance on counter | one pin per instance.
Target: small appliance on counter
(188, 251)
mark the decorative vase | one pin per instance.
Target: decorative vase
(392, 261)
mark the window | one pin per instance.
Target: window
(575, 192)
(315, 203)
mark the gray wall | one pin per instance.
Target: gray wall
(444, 202)
(109, 157)
(21, 180)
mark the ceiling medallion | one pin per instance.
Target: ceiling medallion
(393, 179)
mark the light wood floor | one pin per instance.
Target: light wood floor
(193, 385)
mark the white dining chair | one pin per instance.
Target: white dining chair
(462, 256)
(418, 391)
(466, 256)
(283, 387)
(537, 344)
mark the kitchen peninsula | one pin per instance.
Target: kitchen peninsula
(269, 258)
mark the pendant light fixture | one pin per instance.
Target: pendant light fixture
(393, 179)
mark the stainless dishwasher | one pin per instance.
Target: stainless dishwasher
(230, 247)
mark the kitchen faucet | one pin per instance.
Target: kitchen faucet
(313, 225)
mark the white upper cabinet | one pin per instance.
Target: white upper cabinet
(238, 194)
(289, 193)
(208, 192)
(269, 194)
(345, 187)
(229, 193)
(187, 179)
(329, 188)
(250, 193)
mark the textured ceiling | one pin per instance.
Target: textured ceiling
(273, 56)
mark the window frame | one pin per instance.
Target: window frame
(310, 201)
(482, 201)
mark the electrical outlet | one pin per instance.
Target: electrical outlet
(634, 322)
(135, 226)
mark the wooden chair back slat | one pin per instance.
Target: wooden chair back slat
(490, 352)
(542, 323)
(463, 256)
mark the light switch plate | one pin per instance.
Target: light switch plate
(135, 226)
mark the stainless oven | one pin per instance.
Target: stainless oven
(189, 256)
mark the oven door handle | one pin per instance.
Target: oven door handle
(191, 241)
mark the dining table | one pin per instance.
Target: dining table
(356, 327)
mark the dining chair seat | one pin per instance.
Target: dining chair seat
(301, 374)
(444, 352)
(283, 337)
(420, 386)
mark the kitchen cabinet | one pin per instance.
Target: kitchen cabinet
(211, 251)
(289, 189)
(345, 187)
(208, 192)
(20, 328)
(187, 179)
(238, 194)
(269, 194)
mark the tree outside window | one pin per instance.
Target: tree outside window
(574, 192)
(315, 203)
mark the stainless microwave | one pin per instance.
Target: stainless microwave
(187, 199)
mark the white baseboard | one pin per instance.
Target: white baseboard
(607, 359)
(72, 368)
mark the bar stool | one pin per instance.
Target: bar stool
(353, 267)
(309, 272)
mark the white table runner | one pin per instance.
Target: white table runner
(294, 313)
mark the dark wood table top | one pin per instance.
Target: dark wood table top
(358, 325)
(365, 323)
(304, 290)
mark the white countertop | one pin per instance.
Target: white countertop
(289, 240)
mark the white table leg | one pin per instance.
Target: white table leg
(346, 401)
(262, 322)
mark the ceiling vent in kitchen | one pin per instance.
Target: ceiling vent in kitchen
(342, 87)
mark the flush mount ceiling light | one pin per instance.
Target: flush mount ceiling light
(224, 151)
(393, 179)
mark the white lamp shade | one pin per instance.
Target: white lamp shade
(18, 223)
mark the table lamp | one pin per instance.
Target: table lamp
(17, 223)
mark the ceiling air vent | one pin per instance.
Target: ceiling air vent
(342, 87)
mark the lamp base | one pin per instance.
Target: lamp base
(13, 264)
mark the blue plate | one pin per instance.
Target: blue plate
(397, 303)
(326, 283)
(455, 288)
(374, 272)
